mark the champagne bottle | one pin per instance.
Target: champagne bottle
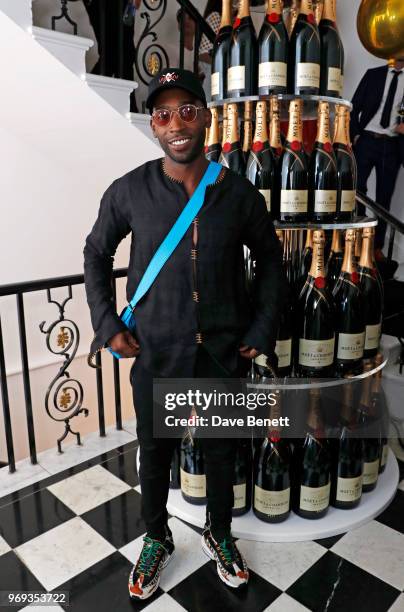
(350, 321)
(242, 75)
(247, 130)
(304, 54)
(305, 261)
(346, 456)
(272, 475)
(242, 483)
(335, 259)
(221, 53)
(232, 155)
(346, 165)
(311, 466)
(275, 129)
(380, 409)
(273, 43)
(371, 431)
(213, 147)
(293, 169)
(175, 478)
(193, 479)
(316, 327)
(332, 52)
(323, 171)
(372, 296)
(261, 164)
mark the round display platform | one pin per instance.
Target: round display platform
(296, 529)
(358, 223)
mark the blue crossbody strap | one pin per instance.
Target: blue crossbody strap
(177, 232)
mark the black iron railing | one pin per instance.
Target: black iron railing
(64, 396)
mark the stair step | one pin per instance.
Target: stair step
(67, 48)
(142, 122)
(114, 91)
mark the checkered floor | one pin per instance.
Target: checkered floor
(80, 531)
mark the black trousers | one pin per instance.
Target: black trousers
(383, 155)
(156, 453)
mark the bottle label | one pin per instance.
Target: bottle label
(267, 195)
(314, 499)
(350, 346)
(240, 495)
(334, 80)
(294, 200)
(271, 503)
(316, 353)
(308, 75)
(214, 84)
(272, 74)
(372, 338)
(261, 360)
(370, 472)
(349, 489)
(193, 485)
(385, 454)
(348, 201)
(325, 201)
(283, 350)
(236, 78)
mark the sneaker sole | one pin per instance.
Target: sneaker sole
(155, 587)
(212, 555)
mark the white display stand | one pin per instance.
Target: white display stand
(295, 528)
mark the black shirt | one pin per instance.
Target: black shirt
(201, 294)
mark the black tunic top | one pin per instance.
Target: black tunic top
(200, 295)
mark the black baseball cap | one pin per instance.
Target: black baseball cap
(175, 77)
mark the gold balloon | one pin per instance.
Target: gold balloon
(380, 26)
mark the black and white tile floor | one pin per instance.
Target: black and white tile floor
(80, 531)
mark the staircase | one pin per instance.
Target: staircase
(71, 50)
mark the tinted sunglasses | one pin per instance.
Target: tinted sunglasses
(186, 112)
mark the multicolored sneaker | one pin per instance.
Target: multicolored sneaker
(145, 575)
(230, 563)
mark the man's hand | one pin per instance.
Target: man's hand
(248, 352)
(124, 344)
(400, 129)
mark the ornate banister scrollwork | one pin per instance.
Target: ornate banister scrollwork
(150, 59)
(64, 396)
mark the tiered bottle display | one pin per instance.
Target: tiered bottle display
(304, 56)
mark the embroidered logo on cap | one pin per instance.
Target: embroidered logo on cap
(167, 78)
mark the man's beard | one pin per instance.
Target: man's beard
(188, 156)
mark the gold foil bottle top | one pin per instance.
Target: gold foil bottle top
(261, 133)
(248, 111)
(243, 9)
(226, 13)
(317, 268)
(318, 6)
(275, 126)
(336, 244)
(342, 126)
(366, 385)
(323, 127)
(330, 10)
(349, 264)
(358, 243)
(213, 136)
(314, 415)
(279, 233)
(309, 239)
(274, 7)
(306, 7)
(295, 131)
(232, 134)
(366, 257)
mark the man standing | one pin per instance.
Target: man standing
(378, 140)
(197, 319)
